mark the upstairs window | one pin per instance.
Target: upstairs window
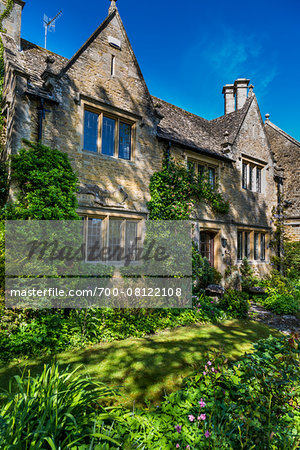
(252, 177)
(90, 131)
(200, 170)
(124, 140)
(108, 135)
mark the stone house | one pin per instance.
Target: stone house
(96, 107)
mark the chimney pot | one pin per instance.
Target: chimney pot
(229, 98)
(241, 87)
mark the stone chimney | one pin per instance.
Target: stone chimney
(229, 98)
(12, 24)
(241, 89)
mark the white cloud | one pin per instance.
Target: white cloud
(233, 55)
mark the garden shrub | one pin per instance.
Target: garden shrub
(235, 303)
(45, 182)
(280, 303)
(203, 273)
(291, 260)
(248, 278)
(282, 295)
(33, 333)
(253, 403)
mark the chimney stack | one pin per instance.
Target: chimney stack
(12, 24)
(229, 98)
(241, 89)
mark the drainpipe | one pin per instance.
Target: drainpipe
(168, 154)
(280, 248)
(41, 116)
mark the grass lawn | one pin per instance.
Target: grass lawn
(146, 368)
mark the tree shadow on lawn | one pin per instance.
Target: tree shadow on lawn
(148, 368)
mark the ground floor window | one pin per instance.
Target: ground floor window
(251, 245)
(111, 239)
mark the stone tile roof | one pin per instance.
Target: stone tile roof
(195, 132)
(279, 130)
(34, 58)
(177, 125)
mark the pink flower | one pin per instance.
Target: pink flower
(207, 434)
(187, 446)
(202, 403)
(209, 363)
(178, 428)
(211, 301)
(201, 417)
(212, 369)
(191, 418)
(204, 373)
(177, 445)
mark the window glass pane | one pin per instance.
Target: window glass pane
(247, 245)
(201, 170)
(90, 131)
(244, 181)
(131, 240)
(240, 245)
(251, 169)
(207, 246)
(114, 241)
(125, 141)
(94, 239)
(262, 247)
(258, 179)
(211, 176)
(256, 251)
(108, 136)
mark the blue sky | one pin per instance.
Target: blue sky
(188, 50)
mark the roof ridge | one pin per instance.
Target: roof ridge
(279, 130)
(248, 100)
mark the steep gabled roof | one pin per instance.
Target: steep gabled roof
(69, 63)
(197, 133)
(283, 133)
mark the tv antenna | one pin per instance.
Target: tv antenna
(49, 24)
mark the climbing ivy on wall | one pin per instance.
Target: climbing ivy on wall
(3, 172)
(176, 191)
(45, 185)
(5, 14)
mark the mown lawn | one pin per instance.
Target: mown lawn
(147, 368)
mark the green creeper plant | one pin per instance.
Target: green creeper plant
(176, 190)
(45, 185)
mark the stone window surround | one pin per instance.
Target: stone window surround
(207, 162)
(251, 165)
(105, 217)
(119, 117)
(251, 232)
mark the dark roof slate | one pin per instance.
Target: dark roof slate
(195, 132)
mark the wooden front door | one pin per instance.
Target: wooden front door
(207, 246)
